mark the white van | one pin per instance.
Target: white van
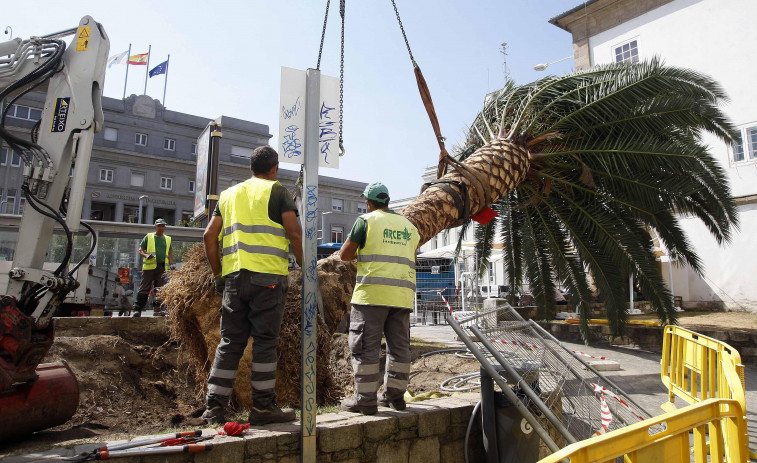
(493, 291)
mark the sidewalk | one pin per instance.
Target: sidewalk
(639, 373)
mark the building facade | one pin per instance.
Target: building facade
(716, 38)
(144, 159)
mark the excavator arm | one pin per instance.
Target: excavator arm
(56, 159)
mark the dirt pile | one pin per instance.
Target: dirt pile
(194, 320)
(125, 388)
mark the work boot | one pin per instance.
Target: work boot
(351, 405)
(137, 314)
(214, 416)
(397, 404)
(270, 414)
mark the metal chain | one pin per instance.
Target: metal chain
(341, 84)
(407, 44)
(323, 34)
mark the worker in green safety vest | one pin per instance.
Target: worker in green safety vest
(155, 249)
(253, 225)
(384, 244)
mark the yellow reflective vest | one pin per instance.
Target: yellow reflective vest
(386, 264)
(150, 264)
(250, 239)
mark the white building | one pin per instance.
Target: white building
(717, 38)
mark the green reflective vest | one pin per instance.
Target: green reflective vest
(250, 239)
(150, 264)
(386, 264)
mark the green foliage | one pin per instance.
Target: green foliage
(616, 157)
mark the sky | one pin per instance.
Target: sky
(226, 58)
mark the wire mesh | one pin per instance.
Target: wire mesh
(585, 402)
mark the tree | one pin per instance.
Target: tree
(581, 169)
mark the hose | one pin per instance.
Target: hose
(461, 380)
(467, 431)
(444, 351)
(91, 249)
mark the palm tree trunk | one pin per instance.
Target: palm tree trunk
(501, 163)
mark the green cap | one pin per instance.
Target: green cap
(376, 191)
(160, 222)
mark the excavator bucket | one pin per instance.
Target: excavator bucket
(50, 400)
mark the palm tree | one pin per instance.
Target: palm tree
(581, 169)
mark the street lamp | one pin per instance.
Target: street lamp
(11, 32)
(139, 219)
(543, 66)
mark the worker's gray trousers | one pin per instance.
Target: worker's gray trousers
(253, 306)
(150, 278)
(367, 324)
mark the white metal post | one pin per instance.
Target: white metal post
(670, 274)
(309, 267)
(630, 293)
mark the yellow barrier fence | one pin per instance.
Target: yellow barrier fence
(696, 368)
(715, 418)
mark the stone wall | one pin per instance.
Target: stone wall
(650, 337)
(431, 431)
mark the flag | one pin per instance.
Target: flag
(138, 60)
(159, 69)
(117, 59)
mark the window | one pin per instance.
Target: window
(337, 205)
(3, 156)
(110, 134)
(15, 159)
(738, 149)
(745, 148)
(337, 234)
(240, 152)
(24, 112)
(10, 202)
(362, 208)
(166, 183)
(191, 186)
(140, 139)
(169, 144)
(106, 175)
(137, 179)
(21, 204)
(627, 53)
(194, 149)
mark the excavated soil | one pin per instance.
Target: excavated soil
(130, 387)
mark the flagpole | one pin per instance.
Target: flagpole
(165, 82)
(128, 58)
(147, 67)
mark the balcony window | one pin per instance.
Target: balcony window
(106, 175)
(166, 183)
(337, 205)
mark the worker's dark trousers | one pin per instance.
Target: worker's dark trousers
(367, 324)
(149, 278)
(249, 309)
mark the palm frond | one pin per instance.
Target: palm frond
(616, 156)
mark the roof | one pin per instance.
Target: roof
(571, 11)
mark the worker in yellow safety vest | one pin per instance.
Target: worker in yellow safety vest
(155, 249)
(254, 224)
(385, 244)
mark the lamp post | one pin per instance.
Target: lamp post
(543, 66)
(11, 32)
(139, 219)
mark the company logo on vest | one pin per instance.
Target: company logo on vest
(397, 236)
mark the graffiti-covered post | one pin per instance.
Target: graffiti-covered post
(309, 263)
(309, 135)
